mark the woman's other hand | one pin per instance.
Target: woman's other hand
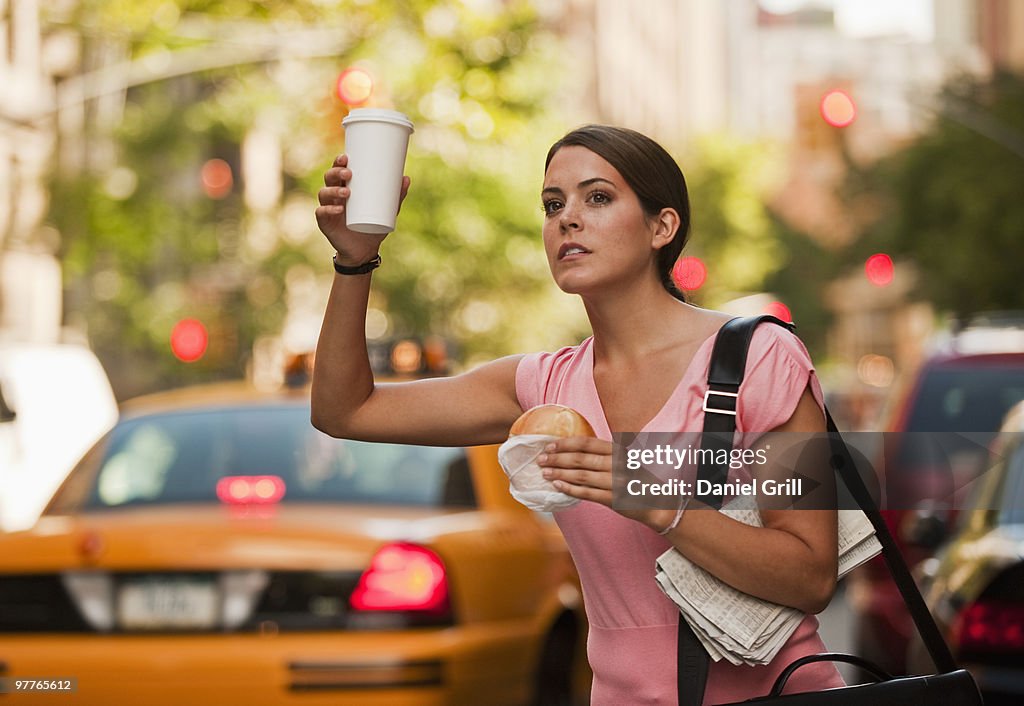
(581, 466)
(353, 248)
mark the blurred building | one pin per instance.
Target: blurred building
(683, 68)
(30, 279)
(1001, 32)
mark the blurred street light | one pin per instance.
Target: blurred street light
(217, 178)
(354, 86)
(838, 109)
(689, 273)
(189, 340)
(879, 269)
(779, 311)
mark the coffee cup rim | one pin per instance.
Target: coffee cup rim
(377, 115)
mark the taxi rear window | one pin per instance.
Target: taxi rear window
(181, 457)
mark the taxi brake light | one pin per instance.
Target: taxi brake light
(250, 490)
(403, 577)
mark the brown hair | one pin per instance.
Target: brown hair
(652, 174)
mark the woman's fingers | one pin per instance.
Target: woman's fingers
(585, 492)
(333, 195)
(337, 176)
(579, 461)
(580, 452)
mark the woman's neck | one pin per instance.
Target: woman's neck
(643, 320)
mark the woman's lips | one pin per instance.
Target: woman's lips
(571, 250)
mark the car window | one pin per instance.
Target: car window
(1013, 490)
(966, 399)
(180, 457)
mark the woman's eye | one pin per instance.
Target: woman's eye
(549, 207)
(600, 197)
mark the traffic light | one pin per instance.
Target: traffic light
(354, 86)
(879, 269)
(837, 108)
(779, 311)
(689, 273)
(189, 340)
(217, 178)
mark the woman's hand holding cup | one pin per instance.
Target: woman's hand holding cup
(354, 248)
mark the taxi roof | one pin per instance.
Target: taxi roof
(221, 394)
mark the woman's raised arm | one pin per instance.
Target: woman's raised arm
(477, 407)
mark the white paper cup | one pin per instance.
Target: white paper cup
(376, 142)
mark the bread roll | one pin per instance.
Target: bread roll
(552, 420)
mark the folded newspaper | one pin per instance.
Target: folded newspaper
(736, 626)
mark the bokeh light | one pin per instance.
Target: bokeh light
(838, 108)
(876, 370)
(355, 86)
(217, 178)
(879, 269)
(779, 311)
(189, 340)
(689, 273)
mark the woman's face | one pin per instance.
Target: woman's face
(595, 231)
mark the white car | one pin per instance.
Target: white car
(56, 402)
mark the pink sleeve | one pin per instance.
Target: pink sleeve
(538, 374)
(530, 376)
(778, 371)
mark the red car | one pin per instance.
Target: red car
(964, 396)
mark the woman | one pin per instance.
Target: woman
(616, 217)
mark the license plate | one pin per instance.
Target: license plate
(167, 604)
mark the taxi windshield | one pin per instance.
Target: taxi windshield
(181, 457)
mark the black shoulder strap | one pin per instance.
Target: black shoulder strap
(728, 364)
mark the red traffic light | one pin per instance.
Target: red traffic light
(879, 269)
(354, 86)
(838, 108)
(779, 311)
(217, 178)
(189, 340)
(689, 273)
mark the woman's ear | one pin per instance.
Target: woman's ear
(665, 225)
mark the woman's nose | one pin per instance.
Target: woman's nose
(569, 218)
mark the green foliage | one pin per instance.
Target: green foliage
(732, 229)
(144, 246)
(951, 200)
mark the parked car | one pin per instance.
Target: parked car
(55, 402)
(962, 394)
(975, 585)
(214, 548)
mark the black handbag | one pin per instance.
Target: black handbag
(950, 685)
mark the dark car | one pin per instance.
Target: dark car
(959, 398)
(975, 585)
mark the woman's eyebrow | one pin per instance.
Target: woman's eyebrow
(588, 182)
(583, 184)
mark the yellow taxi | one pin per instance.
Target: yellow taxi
(214, 548)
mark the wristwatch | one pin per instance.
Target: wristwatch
(362, 269)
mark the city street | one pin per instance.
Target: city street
(323, 324)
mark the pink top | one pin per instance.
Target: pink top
(632, 641)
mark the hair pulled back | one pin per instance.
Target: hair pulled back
(652, 174)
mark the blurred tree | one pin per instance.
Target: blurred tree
(162, 224)
(951, 200)
(732, 228)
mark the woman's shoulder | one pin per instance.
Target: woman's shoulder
(774, 341)
(779, 369)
